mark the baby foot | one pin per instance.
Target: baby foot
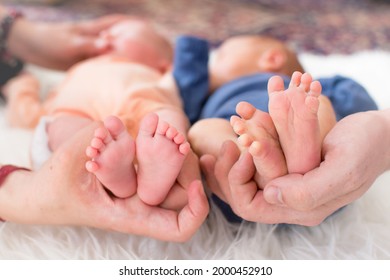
(294, 113)
(112, 151)
(161, 151)
(258, 134)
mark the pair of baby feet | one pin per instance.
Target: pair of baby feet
(287, 139)
(159, 150)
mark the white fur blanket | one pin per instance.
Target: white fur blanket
(361, 231)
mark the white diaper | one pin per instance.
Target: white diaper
(40, 151)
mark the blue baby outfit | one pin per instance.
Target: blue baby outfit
(191, 75)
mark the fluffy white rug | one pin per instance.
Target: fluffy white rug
(361, 231)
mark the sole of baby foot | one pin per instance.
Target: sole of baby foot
(161, 151)
(294, 111)
(112, 152)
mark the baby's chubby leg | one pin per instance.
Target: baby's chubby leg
(161, 152)
(62, 127)
(112, 152)
(208, 135)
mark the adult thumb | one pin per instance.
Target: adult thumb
(290, 190)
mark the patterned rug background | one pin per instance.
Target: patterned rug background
(322, 27)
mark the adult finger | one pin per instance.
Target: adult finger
(260, 211)
(86, 34)
(193, 215)
(317, 187)
(95, 26)
(133, 216)
(170, 225)
(248, 201)
(243, 188)
(207, 164)
(228, 156)
(255, 208)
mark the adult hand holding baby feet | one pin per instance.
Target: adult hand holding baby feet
(79, 198)
(299, 117)
(289, 137)
(160, 150)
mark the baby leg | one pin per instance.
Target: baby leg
(208, 135)
(294, 112)
(258, 134)
(112, 152)
(161, 151)
(62, 127)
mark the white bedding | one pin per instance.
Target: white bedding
(361, 231)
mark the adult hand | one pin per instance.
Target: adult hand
(230, 177)
(355, 152)
(62, 192)
(59, 45)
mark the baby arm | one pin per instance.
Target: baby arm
(23, 104)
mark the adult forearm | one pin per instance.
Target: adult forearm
(12, 31)
(18, 42)
(9, 64)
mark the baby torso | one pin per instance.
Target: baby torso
(100, 87)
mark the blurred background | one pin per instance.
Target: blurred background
(321, 27)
